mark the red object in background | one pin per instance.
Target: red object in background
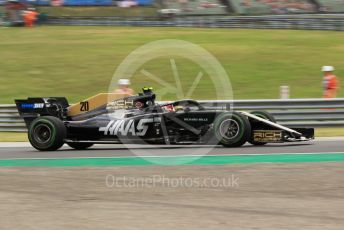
(56, 2)
(30, 17)
(330, 86)
(15, 6)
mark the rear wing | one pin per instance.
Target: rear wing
(31, 108)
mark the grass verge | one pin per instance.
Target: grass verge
(329, 132)
(78, 62)
(13, 137)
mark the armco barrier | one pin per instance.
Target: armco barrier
(10, 120)
(297, 22)
(293, 112)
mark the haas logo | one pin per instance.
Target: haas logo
(120, 127)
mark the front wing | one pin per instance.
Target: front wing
(280, 136)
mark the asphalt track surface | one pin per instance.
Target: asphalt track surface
(24, 151)
(293, 194)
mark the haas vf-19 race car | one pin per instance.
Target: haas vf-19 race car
(114, 118)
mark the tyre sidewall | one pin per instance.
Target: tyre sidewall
(244, 129)
(58, 133)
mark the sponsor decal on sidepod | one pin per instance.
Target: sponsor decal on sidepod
(121, 127)
(32, 106)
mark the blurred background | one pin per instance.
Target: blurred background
(74, 46)
(164, 8)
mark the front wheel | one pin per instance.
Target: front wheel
(232, 129)
(47, 133)
(79, 145)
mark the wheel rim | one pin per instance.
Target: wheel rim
(42, 133)
(229, 129)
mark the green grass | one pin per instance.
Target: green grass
(13, 137)
(319, 132)
(329, 132)
(78, 62)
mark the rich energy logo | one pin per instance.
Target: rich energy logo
(125, 127)
(267, 135)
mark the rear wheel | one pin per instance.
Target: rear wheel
(232, 129)
(47, 133)
(265, 115)
(79, 146)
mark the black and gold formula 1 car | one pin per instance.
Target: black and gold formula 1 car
(114, 118)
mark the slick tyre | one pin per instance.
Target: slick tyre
(265, 115)
(47, 133)
(232, 129)
(79, 146)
